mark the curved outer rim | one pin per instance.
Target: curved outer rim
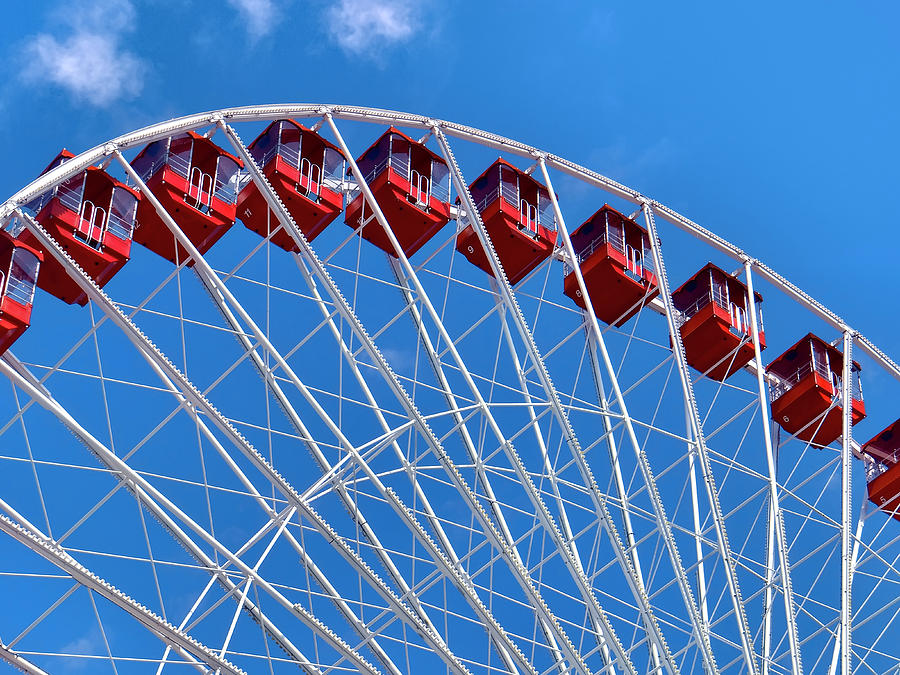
(393, 117)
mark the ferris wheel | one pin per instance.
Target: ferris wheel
(339, 389)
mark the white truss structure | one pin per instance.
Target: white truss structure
(361, 462)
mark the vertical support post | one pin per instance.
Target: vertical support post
(698, 547)
(846, 460)
(776, 534)
(836, 651)
(769, 591)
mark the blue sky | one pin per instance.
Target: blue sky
(772, 124)
(765, 123)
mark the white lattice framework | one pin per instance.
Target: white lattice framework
(359, 462)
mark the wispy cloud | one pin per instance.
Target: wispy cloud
(259, 16)
(87, 645)
(625, 161)
(362, 26)
(88, 60)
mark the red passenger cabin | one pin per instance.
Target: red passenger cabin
(19, 265)
(883, 471)
(715, 322)
(616, 262)
(518, 216)
(806, 401)
(91, 216)
(196, 182)
(412, 187)
(305, 171)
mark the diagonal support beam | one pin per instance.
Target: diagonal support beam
(25, 380)
(228, 304)
(516, 567)
(521, 474)
(654, 635)
(700, 628)
(20, 662)
(657, 643)
(702, 453)
(836, 651)
(184, 390)
(25, 533)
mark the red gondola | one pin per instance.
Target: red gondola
(518, 216)
(883, 472)
(411, 185)
(19, 264)
(616, 262)
(715, 322)
(305, 171)
(196, 182)
(806, 401)
(91, 216)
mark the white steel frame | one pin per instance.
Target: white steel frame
(664, 639)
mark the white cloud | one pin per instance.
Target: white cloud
(363, 25)
(258, 14)
(100, 15)
(88, 61)
(87, 645)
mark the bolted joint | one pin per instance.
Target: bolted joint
(8, 213)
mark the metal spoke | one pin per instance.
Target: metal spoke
(542, 492)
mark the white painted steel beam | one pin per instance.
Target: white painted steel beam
(700, 629)
(25, 533)
(630, 547)
(19, 661)
(700, 443)
(846, 514)
(459, 420)
(776, 525)
(183, 389)
(503, 541)
(346, 311)
(384, 117)
(836, 651)
(228, 304)
(635, 574)
(22, 377)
